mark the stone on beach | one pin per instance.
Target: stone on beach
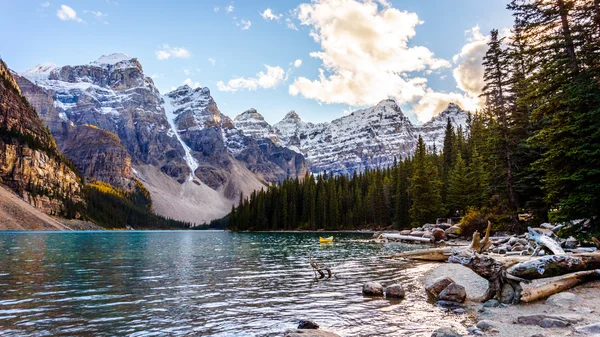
(307, 324)
(445, 332)
(372, 289)
(563, 299)
(438, 234)
(438, 285)
(394, 291)
(454, 292)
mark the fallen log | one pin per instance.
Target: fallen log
(596, 242)
(543, 241)
(406, 237)
(432, 254)
(554, 265)
(564, 283)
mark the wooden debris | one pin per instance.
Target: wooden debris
(564, 283)
(406, 237)
(431, 254)
(543, 241)
(555, 265)
(319, 268)
(596, 242)
(481, 246)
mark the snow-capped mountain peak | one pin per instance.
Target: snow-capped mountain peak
(112, 59)
(43, 68)
(292, 115)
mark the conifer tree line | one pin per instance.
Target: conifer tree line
(534, 148)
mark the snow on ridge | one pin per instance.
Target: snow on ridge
(112, 59)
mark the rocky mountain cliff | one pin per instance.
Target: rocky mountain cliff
(30, 163)
(192, 159)
(365, 139)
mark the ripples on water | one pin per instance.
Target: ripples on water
(205, 284)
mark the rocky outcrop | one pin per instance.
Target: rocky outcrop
(30, 163)
(98, 154)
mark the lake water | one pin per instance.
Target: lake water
(196, 283)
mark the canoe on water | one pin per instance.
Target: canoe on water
(326, 240)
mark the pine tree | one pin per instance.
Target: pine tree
(424, 188)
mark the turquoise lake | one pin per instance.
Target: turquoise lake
(205, 283)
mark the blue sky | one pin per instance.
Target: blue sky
(422, 53)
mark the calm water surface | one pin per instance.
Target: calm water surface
(192, 283)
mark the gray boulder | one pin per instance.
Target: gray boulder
(486, 324)
(571, 243)
(395, 291)
(372, 289)
(548, 320)
(454, 292)
(563, 299)
(445, 332)
(591, 328)
(507, 294)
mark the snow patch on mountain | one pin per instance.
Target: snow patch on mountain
(170, 113)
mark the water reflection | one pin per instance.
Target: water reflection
(203, 283)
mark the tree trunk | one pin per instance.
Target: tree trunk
(597, 16)
(555, 265)
(562, 284)
(406, 237)
(566, 30)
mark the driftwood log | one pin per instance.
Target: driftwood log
(543, 241)
(319, 268)
(555, 265)
(406, 237)
(596, 242)
(564, 283)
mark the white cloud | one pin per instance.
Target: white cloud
(468, 75)
(365, 53)
(245, 24)
(269, 15)
(186, 71)
(469, 72)
(67, 13)
(95, 13)
(216, 9)
(45, 4)
(192, 84)
(229, 9)
(155, 76)
(290, 24)
(167, 52)
(273, 77)
(297, 63)
(212, 61)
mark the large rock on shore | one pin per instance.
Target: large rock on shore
(445, 332)
(372, 289)
(438, 285)
(454, 293)
(395, 291)
(474, 284)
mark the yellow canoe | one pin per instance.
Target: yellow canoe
(326, 240)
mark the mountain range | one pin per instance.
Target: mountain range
(111, 121)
